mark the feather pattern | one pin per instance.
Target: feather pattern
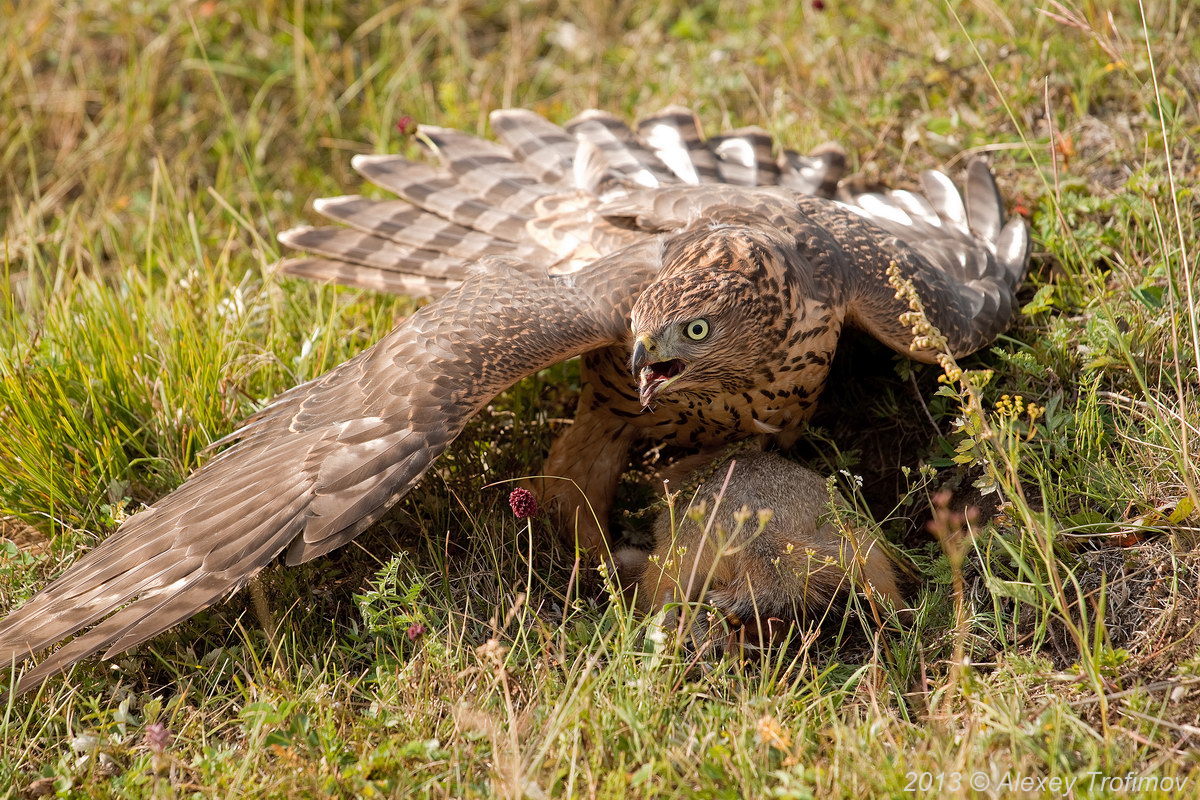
(486, 169)
(744, 157)
(674, 136)
(545, 149)
(405, 224)
(372, 251)
(441, 194)
(324, 270)
(620, 150)
(533, 195)
(817, 173)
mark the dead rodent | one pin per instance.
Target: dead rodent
(760, 549)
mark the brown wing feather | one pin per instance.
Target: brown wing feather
(817, 173)
(745, 158)
(441, 194)
(618, 147)
(533, 195)
(324, 270)
(404, 223)
(487, 169)
(542, 147)
(328, 458)
(965, 262)
(675, 137)
(371, 251)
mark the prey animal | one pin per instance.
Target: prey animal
(750, 535)
(704, 282)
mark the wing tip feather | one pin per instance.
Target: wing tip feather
(323, 204)
(292, 236)
(361, 161)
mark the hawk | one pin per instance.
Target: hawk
(704, 282)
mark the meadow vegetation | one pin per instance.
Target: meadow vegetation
(150, 150)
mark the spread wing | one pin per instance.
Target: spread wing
(964, 260)
(327, 458)
(532, 195)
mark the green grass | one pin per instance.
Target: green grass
(150, 151)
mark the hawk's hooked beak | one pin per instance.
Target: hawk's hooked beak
(652, 375)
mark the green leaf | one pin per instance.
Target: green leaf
(942, 126)
(1152, 296)
(1183, 510)
(1042, 301)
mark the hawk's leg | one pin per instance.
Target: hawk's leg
(586, 462)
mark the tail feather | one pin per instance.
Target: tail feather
(985, 207)
(917, 207)
(620, 149)
(947, 229)
(436, 192)
(745, 157)
(944, 197)
(887, 210)
(1012, 249)
(675, 136)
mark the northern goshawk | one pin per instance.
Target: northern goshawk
(705, 282)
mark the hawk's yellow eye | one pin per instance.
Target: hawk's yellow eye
(697, 329)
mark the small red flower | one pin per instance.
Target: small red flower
(524, 503)
(415, 631)
(818, 5)
(406, 125)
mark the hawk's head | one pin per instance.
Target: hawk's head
(714, 316)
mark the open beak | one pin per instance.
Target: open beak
(652, 376)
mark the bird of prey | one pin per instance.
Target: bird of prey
(704, 282)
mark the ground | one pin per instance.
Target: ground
(150, 151)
